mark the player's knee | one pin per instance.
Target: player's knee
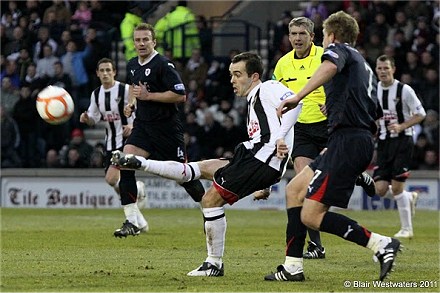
(212, 199)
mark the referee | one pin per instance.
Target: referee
(294, 70)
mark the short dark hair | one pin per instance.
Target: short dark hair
(252, 60)
(384, 58)
(106, 60)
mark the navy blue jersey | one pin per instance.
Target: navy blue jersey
(352, 92)
(159, 75)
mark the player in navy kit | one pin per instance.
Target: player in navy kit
(352, 111)
(107, 104)
(157, 130)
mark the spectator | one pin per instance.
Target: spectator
(169, 31)
(43, 39)
(412, 66)
(34, 22)
(431, 127)
(430, 161)
(210, 136)
(79, 152)
(131, 20)
(97, 52)
(225, 109)
(280, 31)
(52, 159)
(55, 28)
(7, 24)
(403, 24)
(191, 125)
(97, 159)
(378, 27)
(429, 89)
(62, 13)
(194, 94)
(420, 147)
(414, 8)
(9, 96)
(196, 68)
(12, 48)
(205, 35)
(314, 8)
(10, 71)
(4, 39)
(83, 15)
(23, 62)
(61, 78)
(45, 65)
(33, 80)
(232, 134)
(66, 37)
(10, 139)
(192, 147)
(25, 114)
(73, 62)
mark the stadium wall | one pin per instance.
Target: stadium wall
(86, 188)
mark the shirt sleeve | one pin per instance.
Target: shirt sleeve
(335, 55)
(413, 102)
(172, 79)
(93, 110)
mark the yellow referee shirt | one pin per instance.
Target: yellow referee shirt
(295, 73)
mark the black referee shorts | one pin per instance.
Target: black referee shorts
(310, 139)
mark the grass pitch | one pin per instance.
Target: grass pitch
(55, 250)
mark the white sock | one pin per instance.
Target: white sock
(293, 261)
(215, 231)
(141, 221)
(403, 201)
(377, 242)
(181, 172)
(131, 213)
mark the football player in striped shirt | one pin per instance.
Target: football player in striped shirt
(107, 104)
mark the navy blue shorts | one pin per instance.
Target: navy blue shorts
(163, 140)
(349, 153)
(394, 158)
(310, 139)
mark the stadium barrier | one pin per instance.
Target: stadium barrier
(86, 188)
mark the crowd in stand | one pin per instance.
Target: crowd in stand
(59, 43)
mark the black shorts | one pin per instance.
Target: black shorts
(164, 140)
(243, 175)
(310, 139)
(394, 159)
(107, 159)
(349, 153)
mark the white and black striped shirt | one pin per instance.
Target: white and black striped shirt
(399, 103)
(264, 126)
(108, 105)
